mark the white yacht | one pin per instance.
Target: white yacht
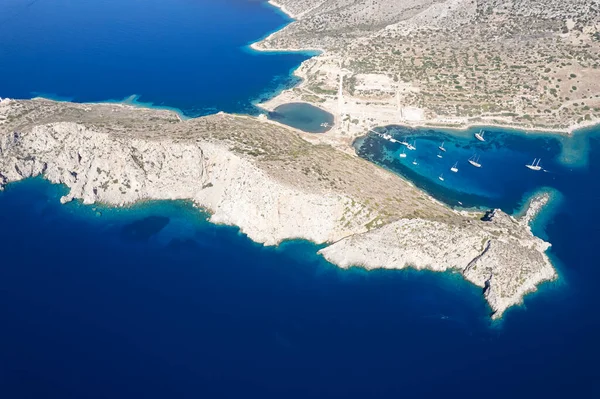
(535, 165)
(479, 136)
(414, 162)
(403, 154)
(474, 160)
(413, 146)
(442, 147)
(441, 177)
(439, 155)
(454, 167)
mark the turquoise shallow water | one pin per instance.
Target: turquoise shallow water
(503, 181)
(155, 302)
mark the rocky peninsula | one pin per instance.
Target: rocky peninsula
(271, 182)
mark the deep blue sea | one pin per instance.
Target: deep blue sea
(191, 55)
(155, 302)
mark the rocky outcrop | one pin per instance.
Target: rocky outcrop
(501, 255)
(273, 185)
(99, 167)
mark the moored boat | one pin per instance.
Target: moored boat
(479, 135)
(535, 165)
(474, 160)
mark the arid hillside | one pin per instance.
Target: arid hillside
(525, 63)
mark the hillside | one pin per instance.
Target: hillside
(532, 64)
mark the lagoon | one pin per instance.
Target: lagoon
(303, 116)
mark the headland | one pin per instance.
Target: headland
(272, 183)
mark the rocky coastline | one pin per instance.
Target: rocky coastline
(271, 183)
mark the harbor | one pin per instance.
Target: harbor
(462, 167)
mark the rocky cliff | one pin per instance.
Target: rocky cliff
(500, 256)
(272, 183)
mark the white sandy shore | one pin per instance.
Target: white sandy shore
(282, 8)
(257, 45)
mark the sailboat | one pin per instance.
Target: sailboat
(442, 147)
(454, 168)
(415, 161)
(412, 147)
(474, 160)
(479, 136)
(404, 142)
(403, 154)
(441, 177)
(439, 155)
(535, 165)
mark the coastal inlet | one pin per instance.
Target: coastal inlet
(438, 161)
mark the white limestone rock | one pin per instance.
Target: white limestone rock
(502, 256)
(118, 155)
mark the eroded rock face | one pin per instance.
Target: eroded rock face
(99, 167)
(501, 255)
(272, 190)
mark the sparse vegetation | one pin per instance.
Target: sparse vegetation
(488, 58)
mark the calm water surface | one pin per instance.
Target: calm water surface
(155, 302)
(303, 116)
(191, 55)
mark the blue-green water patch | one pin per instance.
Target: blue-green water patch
(303, 116)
